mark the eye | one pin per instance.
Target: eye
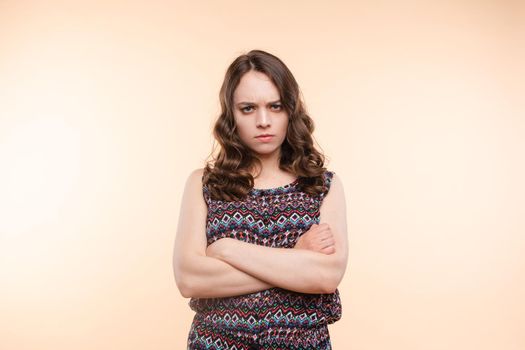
(277, 106)
(244, 109)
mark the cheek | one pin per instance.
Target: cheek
(242, 129)
(284, 126)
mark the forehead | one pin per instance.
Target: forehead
(255, 87)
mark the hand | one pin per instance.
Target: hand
(318, 238)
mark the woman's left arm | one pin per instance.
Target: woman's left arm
(298, 270)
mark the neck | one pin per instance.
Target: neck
(269, 166)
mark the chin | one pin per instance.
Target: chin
(265, 153)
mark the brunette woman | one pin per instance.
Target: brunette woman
(261, 244)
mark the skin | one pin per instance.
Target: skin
(258, 110)
(229, 267)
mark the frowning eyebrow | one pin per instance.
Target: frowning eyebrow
(252, 103)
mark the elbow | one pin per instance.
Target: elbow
(321, 286)
(188, 288)
(329, 287)
(331, 280)
(185, 289)
(184, 285)
(190, 285)
(189, 281)
(325, 283)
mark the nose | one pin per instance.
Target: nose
(263, 118)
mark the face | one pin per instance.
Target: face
(259, 111)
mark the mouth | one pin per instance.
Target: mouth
(264, 137)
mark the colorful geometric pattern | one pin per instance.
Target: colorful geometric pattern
(274, 318)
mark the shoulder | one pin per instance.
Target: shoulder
(194, 180)
(328, 176)
(194, 195)
(195, 176)
(333, 182)
(334, 200)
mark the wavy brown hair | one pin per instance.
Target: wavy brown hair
(228, 175)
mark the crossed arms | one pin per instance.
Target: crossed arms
(229, 267)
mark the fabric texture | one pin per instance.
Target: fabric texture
(274, 318)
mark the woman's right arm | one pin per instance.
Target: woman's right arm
(197, 275)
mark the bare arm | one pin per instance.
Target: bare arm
(296, 269)
(196, 274)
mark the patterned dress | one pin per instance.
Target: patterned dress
(274, 318)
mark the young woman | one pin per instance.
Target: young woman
(261, 243)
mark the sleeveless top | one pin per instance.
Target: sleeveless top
(273, 217)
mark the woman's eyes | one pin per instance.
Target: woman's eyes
(247, 109)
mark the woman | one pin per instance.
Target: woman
(261, 243)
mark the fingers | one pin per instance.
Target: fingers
(318, 238)
(325, 236)
(324, 227)
(328, 242)
(326, 239)
(328, 250)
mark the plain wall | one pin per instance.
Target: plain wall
(107, 106)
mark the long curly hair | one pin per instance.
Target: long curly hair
(228, 174)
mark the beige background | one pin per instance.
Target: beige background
(107, 106)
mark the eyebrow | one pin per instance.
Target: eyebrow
(252, 103)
